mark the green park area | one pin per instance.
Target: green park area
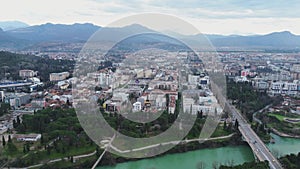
(63, 138)
(287, 123)
(278, 116)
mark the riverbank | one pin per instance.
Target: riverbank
(211, 157)
(233, 140)
(284, 134)
(208, 158)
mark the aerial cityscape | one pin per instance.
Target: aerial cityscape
(150, 85)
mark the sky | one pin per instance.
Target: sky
(209, 16)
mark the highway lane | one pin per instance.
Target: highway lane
(258, 147)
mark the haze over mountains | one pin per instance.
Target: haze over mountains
(54, 32)
(30, 35)
(10, 25)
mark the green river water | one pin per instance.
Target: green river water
(222, 155)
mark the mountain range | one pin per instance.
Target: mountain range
(31, 35)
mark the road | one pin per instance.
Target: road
(260, 111)
(107, 146)
(258, 147)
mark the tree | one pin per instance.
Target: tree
(24, 149)
(215, 165)
(200, 165)
(167, 101)
(225, 125)
(48, 150)
(42, 139)
(18, 120)
(3, 141)
(229, 127)
(236, 124)
(231, 163)
(98, 151)
(68, 102)
(200, 114)
(9, 139)
(11, 147)
(63, 150)
(15, 125)
(27, 147)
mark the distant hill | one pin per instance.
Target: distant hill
(10, 25)
(7, 41)
(116, 33)
(273, 40)
(55, 32)
(4, 36)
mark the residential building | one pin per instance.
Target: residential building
(288, 88)
(27, 73)
(261, 85)
(17, 99)
(193, 79)
(296, 68)
(137, 106)
(245, 72)
(59, 76)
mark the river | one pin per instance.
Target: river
(222, 155)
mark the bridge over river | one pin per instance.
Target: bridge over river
(258, 147)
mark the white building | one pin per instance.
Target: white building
(194, 102)
(105, 79)
(27, 73)
(288, 88)
(137, 106)
(59, 76)
(296, 68)
(241, 79)
(28, 137)
(193, 79)
(158, 98)
(261, 85)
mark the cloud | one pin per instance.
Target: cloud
(224, 15)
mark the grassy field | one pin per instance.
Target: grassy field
(220, 131)
(43, 156)
(284, 126)
(19, 149)
(40, 155)
(282, 118)
(279, 117)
